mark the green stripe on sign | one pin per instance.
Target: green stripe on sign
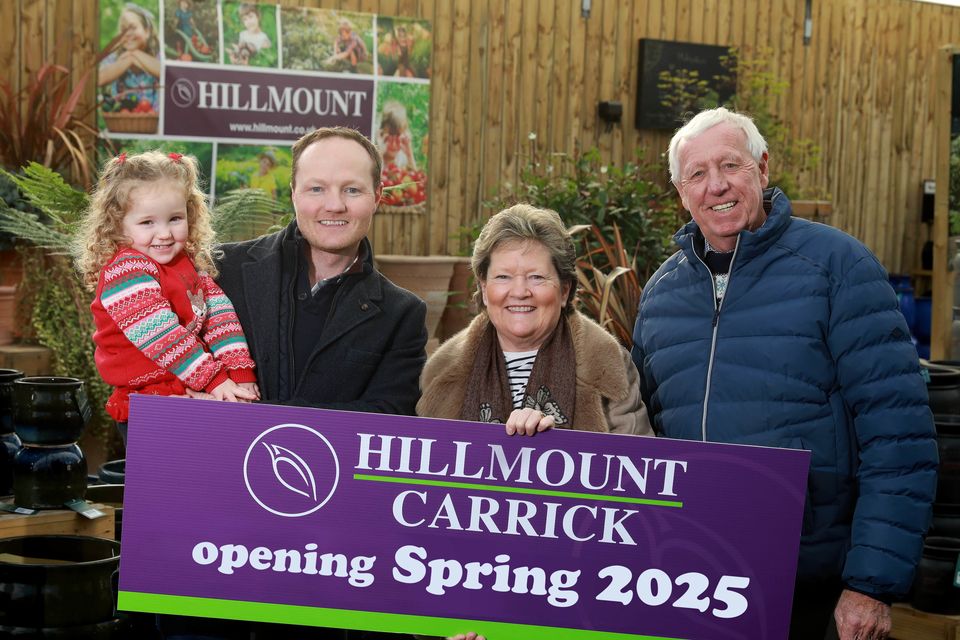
(532, 492)
(348, 619)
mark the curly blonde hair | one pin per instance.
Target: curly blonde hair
(101, 232)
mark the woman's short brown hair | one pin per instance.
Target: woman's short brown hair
(524, 222)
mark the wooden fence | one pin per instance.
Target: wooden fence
(862, 90)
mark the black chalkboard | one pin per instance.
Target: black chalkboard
(663, 107)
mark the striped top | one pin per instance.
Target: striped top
(519, 366)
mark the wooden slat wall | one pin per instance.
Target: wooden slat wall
(862, 90)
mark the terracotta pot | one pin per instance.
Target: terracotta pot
(8, 314)
(460, 308)
(426, 276)
(816, 210)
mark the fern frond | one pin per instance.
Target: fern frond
(29, 227)
(46, 190)
(240, 208)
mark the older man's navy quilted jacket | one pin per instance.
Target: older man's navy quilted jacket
(807, 350)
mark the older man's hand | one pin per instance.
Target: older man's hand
(860, 617)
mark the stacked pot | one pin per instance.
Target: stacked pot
(933, 587)
(52, 586)
(49, 414)
(9, 441)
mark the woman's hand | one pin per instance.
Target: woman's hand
(467, 636)
(528, 422)
(230, 391)
(252, 388)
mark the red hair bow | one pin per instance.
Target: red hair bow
(176, 157)
(122, 157)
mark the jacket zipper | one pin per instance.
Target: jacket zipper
(713, 339)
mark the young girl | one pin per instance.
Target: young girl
(132, 70)
(162, 326)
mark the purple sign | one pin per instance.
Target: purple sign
(275, 105)
(414, 525)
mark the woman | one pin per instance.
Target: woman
(529, 359)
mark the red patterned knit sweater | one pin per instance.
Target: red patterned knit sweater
(163, 328)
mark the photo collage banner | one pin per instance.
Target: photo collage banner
(235, 84)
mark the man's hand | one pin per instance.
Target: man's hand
(860, 617)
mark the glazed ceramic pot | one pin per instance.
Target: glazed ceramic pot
(48, 477)
(9, 446)
(7, 376)
(9, 441)
(49, 410)
(57, 581)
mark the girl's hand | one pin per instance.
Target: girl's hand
(252, 388)
(473, 635)
(528, 422)
(230, 391)
(200, 395)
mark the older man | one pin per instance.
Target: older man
(770, 330)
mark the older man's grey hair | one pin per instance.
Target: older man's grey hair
(707, 120)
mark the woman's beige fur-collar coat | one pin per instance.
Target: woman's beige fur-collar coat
(607, 388)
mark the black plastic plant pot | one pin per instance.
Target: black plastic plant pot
(49, 410)
(113, 472)
(57, 581)
(48, 477)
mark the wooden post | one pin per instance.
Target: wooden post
(942, 313)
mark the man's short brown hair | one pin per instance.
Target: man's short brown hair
(337, 132)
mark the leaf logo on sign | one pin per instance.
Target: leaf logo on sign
(285, 459)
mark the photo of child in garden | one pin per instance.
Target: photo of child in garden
(251, 28)
(402, 137)
(254, 167)
(322, 40)
(191, 31)
(348, 48)
(129, 74)
(393, 138)
(265, 178)
(404, 47)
